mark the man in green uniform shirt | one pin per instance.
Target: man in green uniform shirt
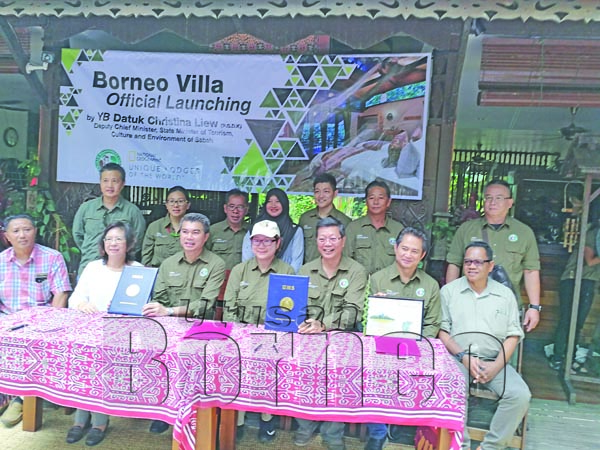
(404, 279)
(372, 238)
(512, 242)
(190, 279)
(227, 236)
(325, 190)
(337, 291)
(95, 215)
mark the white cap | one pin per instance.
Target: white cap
(265, 228)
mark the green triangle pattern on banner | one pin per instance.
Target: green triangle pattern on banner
(296, 117)
(307, 71)
(306, 95)
(68, 58)
(98, 56)
(230, 162)
(282, 94)
(331, 72)
(252, 163)
(270, 101)
(297, 152)
(275, 164)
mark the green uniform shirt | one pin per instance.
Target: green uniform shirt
(180, 282)
(494, 312)
(513, 244)
(589, 272)
(227, 243)
(373, 249)
(93, 217)
(247, 288)
(308, 222)
(341, 298)
(420, 286)
(159, 243)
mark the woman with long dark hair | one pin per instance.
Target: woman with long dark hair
(277, 209)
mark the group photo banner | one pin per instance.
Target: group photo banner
(215, 122)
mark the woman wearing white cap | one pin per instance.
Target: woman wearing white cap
(246, 295)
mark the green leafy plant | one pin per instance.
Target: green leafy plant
(441, 230)
(52, 230)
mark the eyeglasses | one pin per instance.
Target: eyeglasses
(263, 242)
(497, 199)
(476, 262)
(239, 208)
(117, 240)
(176, 202)
(334, 240)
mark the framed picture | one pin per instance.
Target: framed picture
(401, 316)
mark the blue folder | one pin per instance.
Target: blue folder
(287, 301)
(133, 291)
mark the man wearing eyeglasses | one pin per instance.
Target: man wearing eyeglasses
(325, 190)
(227, 236)
(30, 275)
(481, 328)
(95, 215)
(188, 282)
(404, 279)
(336, 294)
(512, 242)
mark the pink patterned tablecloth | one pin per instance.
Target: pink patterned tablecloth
(335, 376)
(138, 367)
(124, 366)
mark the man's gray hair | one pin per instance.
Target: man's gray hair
(416, 233)
(331, 222)
(197, 217)
(9, 219)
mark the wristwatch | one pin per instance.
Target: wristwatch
(170, 311)
(536, 307)
(459, 356)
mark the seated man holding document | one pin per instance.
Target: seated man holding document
(336, 296)
(403, 279)
(189, 281)
(481, 328)
(246, 295)
(93, 294)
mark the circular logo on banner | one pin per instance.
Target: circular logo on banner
(420, 292)
(107, 156)
(392, 241)
(132, 290)
(513, 238)
(344, 283)
(286, 303)
(204, 272)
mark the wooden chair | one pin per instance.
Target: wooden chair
(482, 406)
